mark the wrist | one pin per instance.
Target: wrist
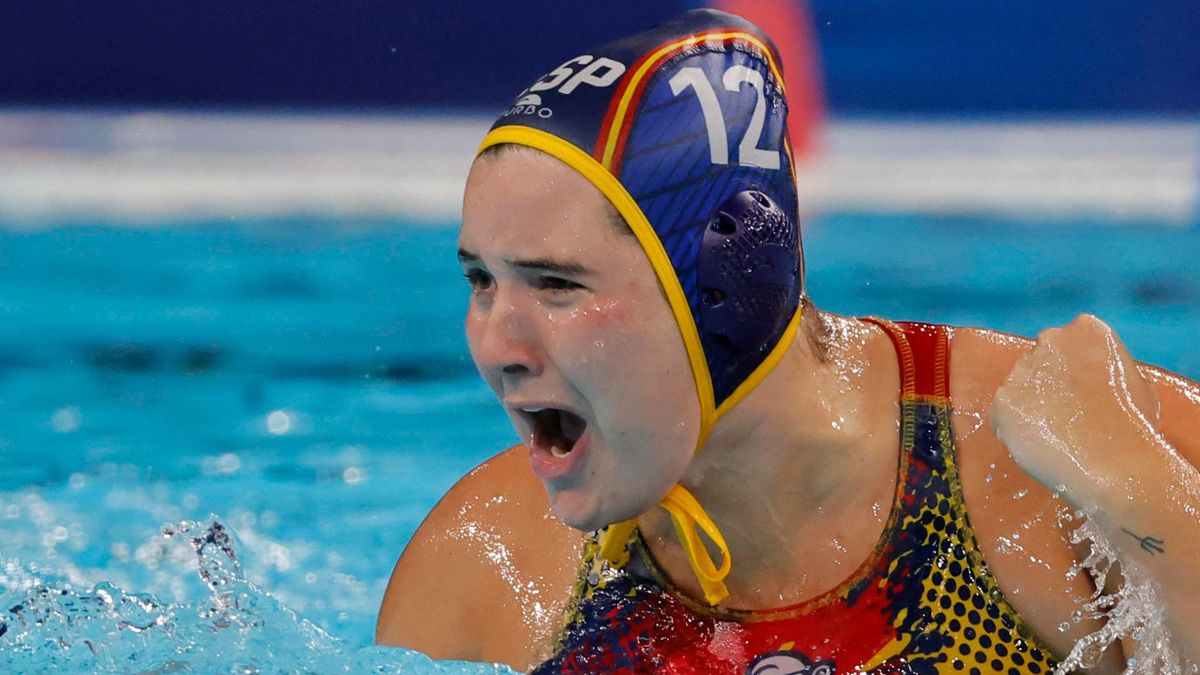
(1130, 490)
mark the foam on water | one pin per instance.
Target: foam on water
(49, 626)
(1132, 612)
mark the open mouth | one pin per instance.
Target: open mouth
(555, 430)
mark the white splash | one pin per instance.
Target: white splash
(51, 625)
(1134, 611)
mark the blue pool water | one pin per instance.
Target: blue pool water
(306, 383)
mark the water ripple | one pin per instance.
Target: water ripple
(237, 627)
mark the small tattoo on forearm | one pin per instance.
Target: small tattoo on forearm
(1149, 544)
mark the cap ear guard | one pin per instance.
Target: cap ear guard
(749, 282)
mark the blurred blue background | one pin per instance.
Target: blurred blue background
(877, 56)
(228, 286)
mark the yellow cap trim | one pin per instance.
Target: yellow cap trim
(689, 518)
(760, 373)
(625, 204)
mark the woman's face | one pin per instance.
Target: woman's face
(570, 329)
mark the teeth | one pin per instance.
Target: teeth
(558, 452)
(532, 410)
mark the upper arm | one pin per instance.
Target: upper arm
(487, 575)
(427, 602)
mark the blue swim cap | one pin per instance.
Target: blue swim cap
(683, 128)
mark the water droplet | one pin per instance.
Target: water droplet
(66, 419)
(279, 422)
(228, 463)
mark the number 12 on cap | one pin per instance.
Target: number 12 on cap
(749, 154)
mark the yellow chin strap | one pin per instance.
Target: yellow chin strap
(688, 517)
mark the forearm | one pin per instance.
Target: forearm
(1077, 413)
(1150, 514)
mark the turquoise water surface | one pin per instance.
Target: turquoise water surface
(305, 383)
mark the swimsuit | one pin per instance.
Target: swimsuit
(922, 602)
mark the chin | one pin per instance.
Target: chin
(586, 512)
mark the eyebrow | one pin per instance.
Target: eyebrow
(541, 264)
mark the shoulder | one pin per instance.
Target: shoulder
(1179, 410)
(488, 574)
(980, 359)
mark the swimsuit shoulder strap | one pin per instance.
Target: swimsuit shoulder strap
(923, 350)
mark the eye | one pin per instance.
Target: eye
(556, 284)
(478, 279)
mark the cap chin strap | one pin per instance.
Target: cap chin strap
(687, 515)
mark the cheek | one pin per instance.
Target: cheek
(593, 329)
(645, 335)
(474, 329)
(471, 325)
(607, 337)
(635, 367)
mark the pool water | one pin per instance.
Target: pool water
(305, 384)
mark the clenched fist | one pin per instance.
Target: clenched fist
(1074, 411)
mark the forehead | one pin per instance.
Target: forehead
(526, 197)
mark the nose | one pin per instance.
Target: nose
(503, 341)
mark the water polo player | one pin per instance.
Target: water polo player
(726, 479)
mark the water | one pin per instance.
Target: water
(238, 627)
(1132, 611)
(304, 385)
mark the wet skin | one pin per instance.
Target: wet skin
(1077, 413)
(488, 574)
(565, 313)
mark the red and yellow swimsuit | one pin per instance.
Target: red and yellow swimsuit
(923, 602)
